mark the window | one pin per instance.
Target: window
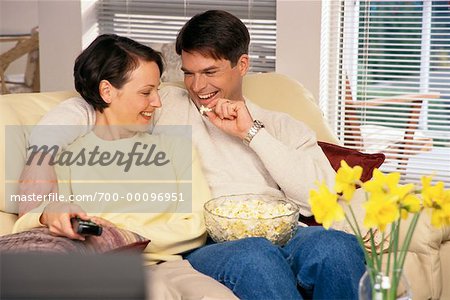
(385, 73)
(160, 21)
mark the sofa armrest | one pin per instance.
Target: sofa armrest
(7, 221)
(423, 265)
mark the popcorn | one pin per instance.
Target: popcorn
(231, 219)
(204, 109)
(253, 209)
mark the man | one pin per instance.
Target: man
(246, 149)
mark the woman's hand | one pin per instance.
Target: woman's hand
(56, 216)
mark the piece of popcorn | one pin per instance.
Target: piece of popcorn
(204, 109)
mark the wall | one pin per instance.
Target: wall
(298, 41)
(63, 36)
(10, 12)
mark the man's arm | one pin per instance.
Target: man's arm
(64, 123)
(295, 161)
(289, 151)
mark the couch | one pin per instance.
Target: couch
(428, 261)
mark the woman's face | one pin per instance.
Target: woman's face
(134, 104)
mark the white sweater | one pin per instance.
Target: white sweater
(282, 159)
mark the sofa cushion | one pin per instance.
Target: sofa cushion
(113, 239)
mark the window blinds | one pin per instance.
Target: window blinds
(158, 21)
(385, 81)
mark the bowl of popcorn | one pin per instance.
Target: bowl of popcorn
(235, 217)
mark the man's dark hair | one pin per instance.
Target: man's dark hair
(214, 33)
(113, 58)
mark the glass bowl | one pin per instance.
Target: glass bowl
(235, 217)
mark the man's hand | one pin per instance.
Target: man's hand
(232, 117)
(38, 179)
(56, 216)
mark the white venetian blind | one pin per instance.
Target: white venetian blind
(158, 21)
(385, 81)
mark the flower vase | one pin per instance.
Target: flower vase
(375, 285)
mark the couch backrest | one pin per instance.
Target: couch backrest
(279, 92)
(17, 111)
(269, 90)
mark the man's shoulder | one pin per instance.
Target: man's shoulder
(176, 106)
(277, 121)
(173, 92)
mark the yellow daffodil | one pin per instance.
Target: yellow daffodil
(406, 200)
(324, 206)
(409, 204)
(433, 196)
(401, 191)
(441, 217)
(382, 184)
(440, 204)
(386, 202)
(426, 184)
(381, 210)
(346, 180)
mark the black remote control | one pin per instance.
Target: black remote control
(86, 227)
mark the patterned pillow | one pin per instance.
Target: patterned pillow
(113, 239)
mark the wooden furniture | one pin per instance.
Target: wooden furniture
(398, 143)
(25, 45)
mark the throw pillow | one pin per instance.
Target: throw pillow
(113, 239)
(368, 162)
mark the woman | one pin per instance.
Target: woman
(118, 174)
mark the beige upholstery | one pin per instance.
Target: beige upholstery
(280, 93)
(428, 262)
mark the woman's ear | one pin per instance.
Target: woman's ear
(243, 64)
(106, 91)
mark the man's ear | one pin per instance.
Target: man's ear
(106, 91)
(243, 64)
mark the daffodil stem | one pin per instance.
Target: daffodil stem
(357, 233)
(391, 242)
(393, 274)
(408, 239)
(375, 256)
(380, 254)
(356, 230)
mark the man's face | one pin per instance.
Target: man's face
(207, 78)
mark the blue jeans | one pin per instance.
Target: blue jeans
(316, 263)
